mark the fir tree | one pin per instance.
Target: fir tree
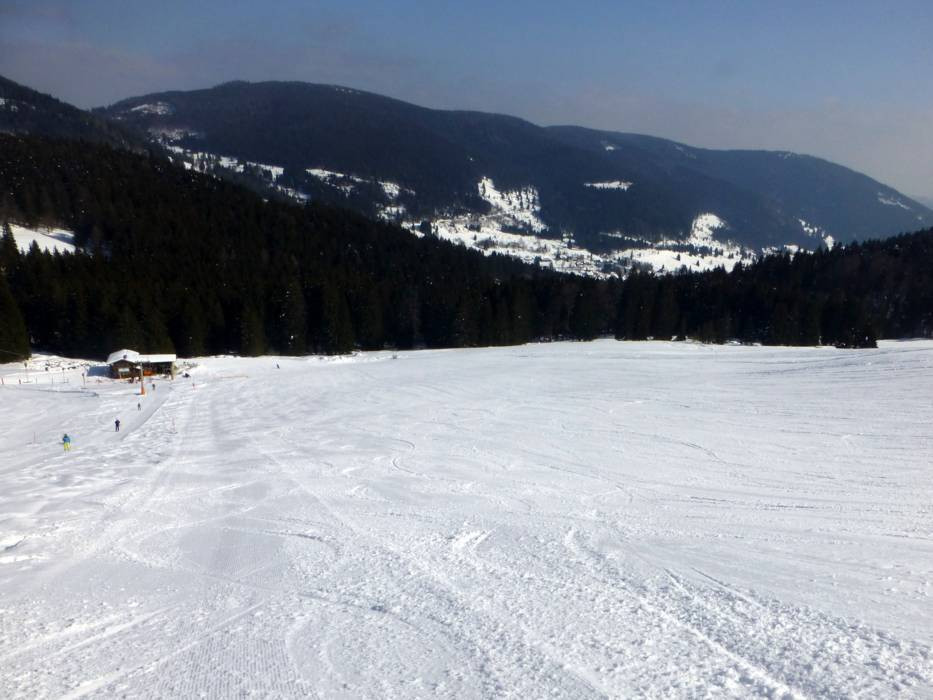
(14, 342)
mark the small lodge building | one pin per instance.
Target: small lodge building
(126, 364)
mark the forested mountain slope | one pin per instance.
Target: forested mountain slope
(172, 259)
(26, 111)
(168, 258)
(475, 175)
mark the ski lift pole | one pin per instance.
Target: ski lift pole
(142, 382)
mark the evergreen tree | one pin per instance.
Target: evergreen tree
(252, 337)
(9, 252)
(14, 342)
(667, 317)
(337, 329)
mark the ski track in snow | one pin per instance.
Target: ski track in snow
(567, 520)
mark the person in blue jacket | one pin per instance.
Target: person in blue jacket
(66, 442)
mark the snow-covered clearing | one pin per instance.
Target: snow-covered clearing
(485, 234)
(707, 253)
(569, 520)
(892, 201)
(50, 239)
(614, 185)
(156, 108)
(521, 206)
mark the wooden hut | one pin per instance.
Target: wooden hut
(126, 364)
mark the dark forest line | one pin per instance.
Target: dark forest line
(171, 260)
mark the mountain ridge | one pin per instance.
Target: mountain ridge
(24, 110)
(577, 199)
(604, 192)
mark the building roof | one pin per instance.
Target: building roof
(136, 358)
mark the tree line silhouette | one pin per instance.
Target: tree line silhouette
(171, 260)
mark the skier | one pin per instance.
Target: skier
(66, 442)
(116, 425)
(139, 407)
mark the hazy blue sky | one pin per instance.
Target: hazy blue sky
(850, 81)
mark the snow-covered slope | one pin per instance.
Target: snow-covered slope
(698, 251)
(504, 232)
(566, 520)
(50, 239)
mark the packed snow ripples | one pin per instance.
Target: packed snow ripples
(566, 520)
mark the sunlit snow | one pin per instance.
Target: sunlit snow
(562, 520)
(817, 232)
(485, 234)
(697, 252)
(49, 239)
(347, 183)
(521, 205)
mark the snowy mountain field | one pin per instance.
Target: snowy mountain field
(577, 520)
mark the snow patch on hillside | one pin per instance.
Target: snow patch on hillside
(292, 193)
(484, 234)
(348, 181)
(168, 133)
(701, 233)
(892, 201)
(666, 260)
(160, 109)
(392, 190)
(699, 251)
(48, 239)
(205, 162)
(344, 183)
(522, 206)
(809, 228)
(817, 232)
(507, 230)
(613, 185)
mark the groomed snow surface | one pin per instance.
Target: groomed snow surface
(568, 520)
